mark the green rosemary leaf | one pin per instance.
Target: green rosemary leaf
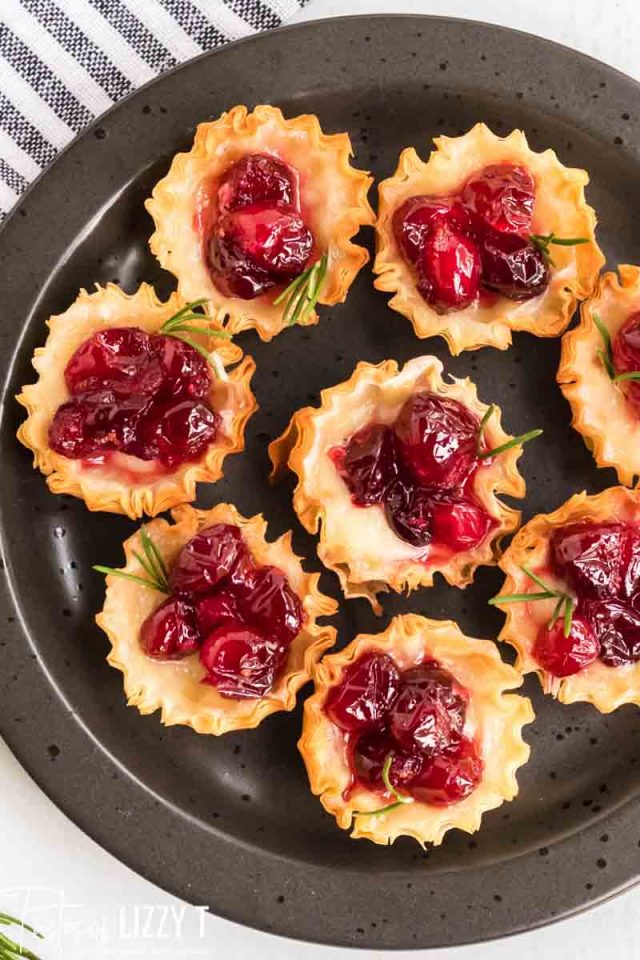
(604, 355)
(152, 550)
(148, 569)
(400, 797)
(604, 333)
(606, 363)
(378, 810)
(485, 419)
(9, 950)
(131, 576)
(293, 286)
(556, 611)
(567, 241)
(630, 375)
(8, 920)
(188, 308)
(514, 442)
(568, 616)
(302, 293)
(520, 597)
(189, 328)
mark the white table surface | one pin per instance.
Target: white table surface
(93, 907)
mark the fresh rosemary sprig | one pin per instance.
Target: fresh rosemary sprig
(543, 240)
(606, 355)
(151, 561)
(187, 321)
(514, 442)
(9, 950)
(401, 798)
(564, 602)
(302, 293)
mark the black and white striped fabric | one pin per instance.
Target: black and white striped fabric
(63, 62)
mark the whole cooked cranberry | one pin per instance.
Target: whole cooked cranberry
(631, 565)
(269, 603)
(257, 178)
(216, 608)
(240, 662)
(512, 265)
(436, 439)
(626, 355)
(449, 778)
(617, 627)
(502, 195)
(120, 357)
(176, 430)
(170, 631)
(459, 524)
(370, 753)
(207, 560)
(256, 247)
(365, 693)
(563, 656)
(185, 371)
(367, 463)
(429, 712)
(589, 557)
(449, 268)
(408, 512)
(418, 215)
(96, 422)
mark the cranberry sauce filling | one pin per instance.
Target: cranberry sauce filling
(138, 394)
(240, 617)
(417, 718)
(479, 239)
(626, 356)
(259, 238)
(600, 563)
(420, 469)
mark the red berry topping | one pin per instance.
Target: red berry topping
(512, 265)
(98, 422)
(256, 247)
(589, 556)
(416, 218)
(626, 355)
(459, 524)
(631, 565)
(449, 268)
(618, 630)
(429, 712)
(269, 603)
(449, 778)
(185, 371)
(502, 195)
(437, 440)
(366, 692)
(207, 560)
(170, 632)
(257, 178)
(240, 662)
(563, 656)
(215, 609)
(408, 511)
(121, 358)
(367, 463)
(370, 752)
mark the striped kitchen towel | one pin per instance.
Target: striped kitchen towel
(64, 62)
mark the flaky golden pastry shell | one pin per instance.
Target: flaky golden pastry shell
(605, 687)
(560, 207)
(494, 720)
(333, 197)
(127, 484)
(600, 411)
(174, 687)
(357, 543)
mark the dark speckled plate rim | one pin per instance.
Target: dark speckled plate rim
(340, 907)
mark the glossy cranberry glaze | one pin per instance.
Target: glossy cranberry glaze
(240, 616)
(259, 239)
(626, 356)
(420, 469)
(479, 239)
(415, 715)
(143, 395)
(600, 564)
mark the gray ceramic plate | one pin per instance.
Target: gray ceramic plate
(230, 822)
